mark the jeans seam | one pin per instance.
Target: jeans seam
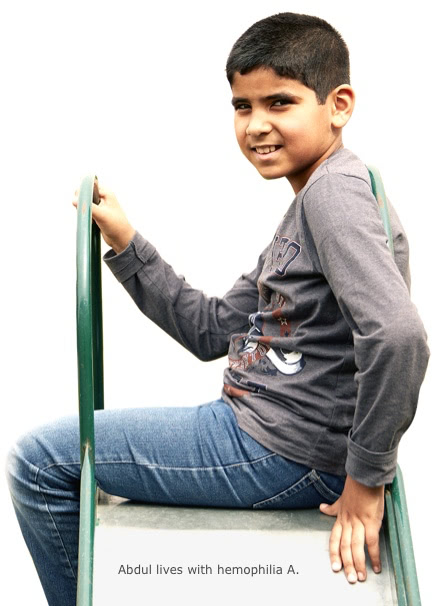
(60, 464)
(323, 489)
(167, 467)
(54, 524)
(197, 468)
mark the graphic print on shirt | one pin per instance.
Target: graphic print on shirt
(284, 253)
(255, 349)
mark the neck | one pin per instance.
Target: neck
(299, 181)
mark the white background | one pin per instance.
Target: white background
(136, 93)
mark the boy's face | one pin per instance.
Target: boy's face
(280, 127)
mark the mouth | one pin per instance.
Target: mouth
(265, 150)
(266, 153)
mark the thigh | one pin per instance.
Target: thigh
(185, 456)
(199, 456)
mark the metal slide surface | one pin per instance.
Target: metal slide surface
(271, 556)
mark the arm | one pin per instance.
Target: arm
(201, 324)
(390, 343)
(390, 351)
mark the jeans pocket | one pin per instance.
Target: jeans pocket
(297, 496)
(328, 486)
(311, 490)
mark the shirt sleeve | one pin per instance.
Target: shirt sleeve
(200, 323)
(390, 344)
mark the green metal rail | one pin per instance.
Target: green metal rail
(90, 374)
(90, 377)
(396, 513)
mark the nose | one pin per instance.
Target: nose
(258, 124)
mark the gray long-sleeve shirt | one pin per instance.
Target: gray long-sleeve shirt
(326, 351)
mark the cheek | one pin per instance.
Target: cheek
(239, 132)
(301, 139)
(241, 139)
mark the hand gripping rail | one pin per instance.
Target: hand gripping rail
(90, 378)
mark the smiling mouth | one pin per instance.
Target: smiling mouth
(266, 149)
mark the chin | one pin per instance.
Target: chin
(270, 176)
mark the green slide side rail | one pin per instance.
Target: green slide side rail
(90, 379)
(90, 374)
(379, 193)
(396, 513)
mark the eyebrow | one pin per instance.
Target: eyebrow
(282, 95)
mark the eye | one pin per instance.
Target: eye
(241, 106)
(281, 102)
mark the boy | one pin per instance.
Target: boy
(325, 360)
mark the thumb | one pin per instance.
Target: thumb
(99, 213)
(329, 510)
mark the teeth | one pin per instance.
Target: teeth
(266, 149)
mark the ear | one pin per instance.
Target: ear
(342, 103)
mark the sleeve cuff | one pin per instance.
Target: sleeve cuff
(129, 261)
(370, 468)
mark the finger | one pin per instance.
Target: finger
(334, 547)
(329, 510)
(372, 540)
(346, 553)
(108, 198)
(98, 212)
(103, 191)
(357, 548)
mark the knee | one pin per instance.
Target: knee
(22, 462)
(44, 448)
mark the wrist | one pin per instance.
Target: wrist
(120, 243)
(356, 486)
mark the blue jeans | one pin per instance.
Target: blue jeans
(188, 456)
